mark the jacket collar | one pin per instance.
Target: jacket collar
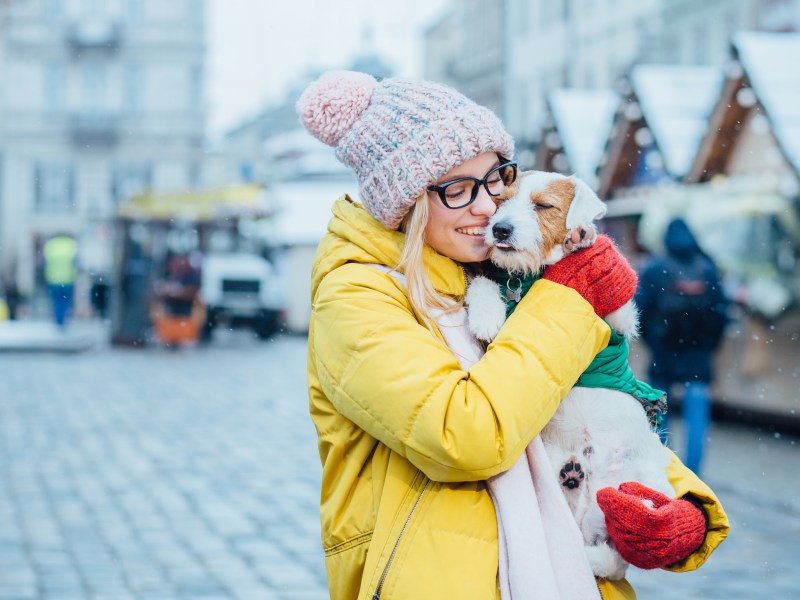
(355, 236)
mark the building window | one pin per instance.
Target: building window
(670, 45)
(94, 8)
(132, 88)
(701, 34)
(551, 11)
(53, 10)
(133, 10)
(196, 88)
(522, 16)
(194, 173)
(731, 21)
(94, 87)
(588, 78)
(130, 179)
(54, 87)
(54, 188)
(197, 11)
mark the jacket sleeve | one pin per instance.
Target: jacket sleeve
(384, 371)
(686, 483)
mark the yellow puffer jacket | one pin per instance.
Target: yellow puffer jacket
(407, 438)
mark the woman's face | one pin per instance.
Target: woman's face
(458, 232)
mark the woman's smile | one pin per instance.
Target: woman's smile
(474, 231)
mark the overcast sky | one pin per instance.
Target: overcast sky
(257, 48)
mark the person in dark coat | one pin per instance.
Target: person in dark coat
(683, 308)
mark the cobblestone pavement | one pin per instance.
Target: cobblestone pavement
(166, 475)
(159, 475)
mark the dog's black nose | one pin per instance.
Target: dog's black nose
(502, 231)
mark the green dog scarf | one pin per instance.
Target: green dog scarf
(610, 369)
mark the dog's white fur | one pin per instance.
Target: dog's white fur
(605, 432)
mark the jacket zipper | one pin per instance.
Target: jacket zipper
(377, 594)
(464, 276)
(599, 590)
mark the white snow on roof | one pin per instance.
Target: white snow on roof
(676, 102)
(584, 119)
(303, 208)
(769, 59)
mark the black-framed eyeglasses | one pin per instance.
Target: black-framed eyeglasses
(462, 192)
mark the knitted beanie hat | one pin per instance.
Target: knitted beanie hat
(399, 136)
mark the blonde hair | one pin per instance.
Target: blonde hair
(420, 289)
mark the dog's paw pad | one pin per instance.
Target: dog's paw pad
(571, 475)
(579, 237)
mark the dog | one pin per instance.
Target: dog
(597, 437)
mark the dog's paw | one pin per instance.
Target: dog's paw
(571, 474)
(581, 236)
(606, 562)
(486, 311)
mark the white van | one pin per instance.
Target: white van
(240, 290)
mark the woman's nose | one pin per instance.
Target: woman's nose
(484, 204)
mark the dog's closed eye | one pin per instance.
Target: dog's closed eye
(538, 205)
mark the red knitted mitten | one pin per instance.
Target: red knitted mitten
(599, 273)
(649, 529)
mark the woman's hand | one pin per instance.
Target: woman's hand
(649, 529)
(599, 273)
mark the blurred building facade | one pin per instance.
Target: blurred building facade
(537, 46)
(101, 100)
(302, 179)
(272, 146)
(464, 49)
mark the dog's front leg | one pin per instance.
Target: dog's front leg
(486, 309)
(625, 320)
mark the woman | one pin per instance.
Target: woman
(407, 437)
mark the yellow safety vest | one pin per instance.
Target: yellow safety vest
(59, 260)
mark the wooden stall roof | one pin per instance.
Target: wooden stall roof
(665, 111)
(576, 132)
(622, 153)
(758, 81)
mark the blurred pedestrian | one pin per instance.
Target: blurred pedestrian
(683, 315)
(407, 437)
(12, 296)
(177, 311)
(60, 271)
(100, 293)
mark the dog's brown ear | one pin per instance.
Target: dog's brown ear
(509, 192)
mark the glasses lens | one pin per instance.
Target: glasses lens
(458, 193)
(498, 178)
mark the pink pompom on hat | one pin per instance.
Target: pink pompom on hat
(399, 136)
